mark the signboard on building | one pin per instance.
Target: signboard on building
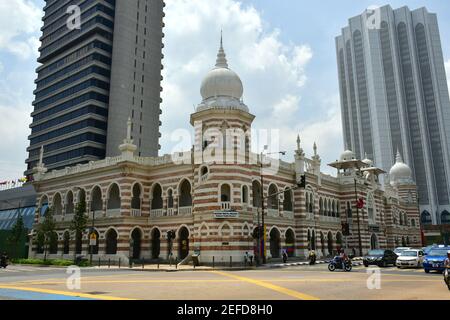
(226, 214)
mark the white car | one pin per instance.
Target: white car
(398, 251)
(410, 258)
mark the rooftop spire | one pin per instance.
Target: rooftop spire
(399, 158)
(221, 56)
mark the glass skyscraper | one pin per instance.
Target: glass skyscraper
(394, 96)
(93, 78)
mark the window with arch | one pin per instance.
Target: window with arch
(170, 198)
(225, 193)
(371, 208)
(321, 206)
(349, 210)
(445, 217)
(272, 201)
(204, 172)
(256, 194)
(57, 205)
(136, 199)
(96, 199)
(185, 194)
(70, 209)
(425, 218)
(244, 195)
(287, 202)
(114, 201)
(157, 200)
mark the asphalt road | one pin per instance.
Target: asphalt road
(304, 283)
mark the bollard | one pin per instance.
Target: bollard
(143, 264)
(99, 263)
(176, 263)
(109, 263)
(231, 262)
(214, 262)
(120, 260)
(158, 265)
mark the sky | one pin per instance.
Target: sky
(284, 52)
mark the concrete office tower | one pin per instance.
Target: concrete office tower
(93, 78)
(394, 96)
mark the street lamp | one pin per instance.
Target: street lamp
(263, 253)
(92, 237)
(357, 214)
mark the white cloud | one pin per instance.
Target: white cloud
(447, 69)
(2, 67)
(19, 22)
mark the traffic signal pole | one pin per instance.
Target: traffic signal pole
(359, 226)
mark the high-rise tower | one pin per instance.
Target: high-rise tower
(394, 96)
(94, 77)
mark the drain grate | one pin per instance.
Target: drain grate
(96, 293)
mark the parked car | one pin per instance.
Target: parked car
(434, 261)
(411, 258)
(380, 257)
(427, 249)
(398, 251)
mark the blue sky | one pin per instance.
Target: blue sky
(283, 50)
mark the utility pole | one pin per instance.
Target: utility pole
(92, 234)
(359, 226)
(263, 231)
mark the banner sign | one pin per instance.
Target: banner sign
(226, 214)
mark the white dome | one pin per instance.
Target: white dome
(347, 155)
(222, 87)
(367, 161)
(222, 82)
(400, 172)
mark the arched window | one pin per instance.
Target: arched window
(311, 203)
(156, 243)
(275, 247)
(157, 200)
(135, 245)
(426, 218)
(272, 201)
(185, 194)
(170, 198)
(445, 217)
(256, 194)
(53, 247)
(290, 242)
(111, 242)
(371, 208)
(136, 200)
(225, 193)
(244, 194)
(374, 242)
(57, 205)
(349, 210)
(114, 201)
(321, 207)
(69, 203)
(330, 243)
(287, 203)
(96, 200)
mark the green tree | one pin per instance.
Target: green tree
(79, 223)
(17, 234)
(47, 229)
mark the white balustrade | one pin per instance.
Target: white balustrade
(113, 213)
(225, 205)
(273, 213)
(288, 214)
(157, 213)
(170, 212)
(136, 212)
(185, 211)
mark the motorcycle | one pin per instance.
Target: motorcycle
(447, 277)
(312, 259)
(336, 263)
(3, 262)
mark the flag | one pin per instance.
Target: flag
(3, 183)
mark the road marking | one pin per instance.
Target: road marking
(289, 292)
(63, 293)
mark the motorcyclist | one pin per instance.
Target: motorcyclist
(285, 256)
(4, 260)
(312, 257)
(447, 261)
(343, 256)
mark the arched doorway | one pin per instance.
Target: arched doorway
(374, 242)
(156, 243)
(322, 243)
(111, 242)
(136, 239)
(330, 243)
(313, 240)
(53, 246)
(290, 243)
(183, 243)
(66, 245)
(403, 242)
(275, 243)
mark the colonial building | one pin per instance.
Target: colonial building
(213, 195)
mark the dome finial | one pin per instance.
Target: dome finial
(221, 56)
(399, 158)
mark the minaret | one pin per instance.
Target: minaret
(299, 160)
(128, 148)
(40, 170)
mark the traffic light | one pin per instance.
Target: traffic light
(302, 183)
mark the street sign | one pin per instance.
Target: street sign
(93, 239)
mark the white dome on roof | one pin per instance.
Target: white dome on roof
(347, 155)
(400, 173)
(368, 162)
(222, 87)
